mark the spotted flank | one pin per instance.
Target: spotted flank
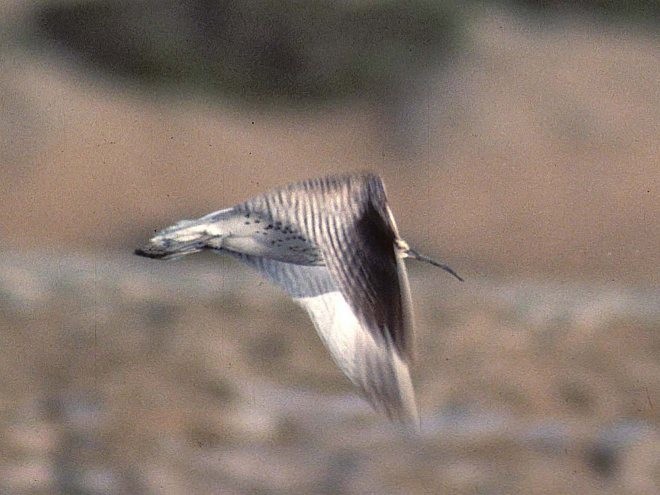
(332, 244)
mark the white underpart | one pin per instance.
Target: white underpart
(337, 326)
(358, 354)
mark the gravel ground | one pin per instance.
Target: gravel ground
(124, 376)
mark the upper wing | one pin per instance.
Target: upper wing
(347, 217)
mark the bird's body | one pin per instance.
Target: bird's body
(333, 245)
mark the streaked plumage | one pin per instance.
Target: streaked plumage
(333, 245)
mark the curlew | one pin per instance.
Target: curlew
(332, 244)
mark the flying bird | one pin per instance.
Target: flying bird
(332, 244)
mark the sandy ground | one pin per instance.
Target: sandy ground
(531, 166)
(128, 377)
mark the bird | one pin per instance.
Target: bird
(332, 244)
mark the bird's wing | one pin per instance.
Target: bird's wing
(363, 261)
(348, 219)
(372, 365)
(366, 357)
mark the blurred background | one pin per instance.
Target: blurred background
(519, 143)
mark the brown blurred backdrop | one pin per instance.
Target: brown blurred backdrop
(519, 143)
